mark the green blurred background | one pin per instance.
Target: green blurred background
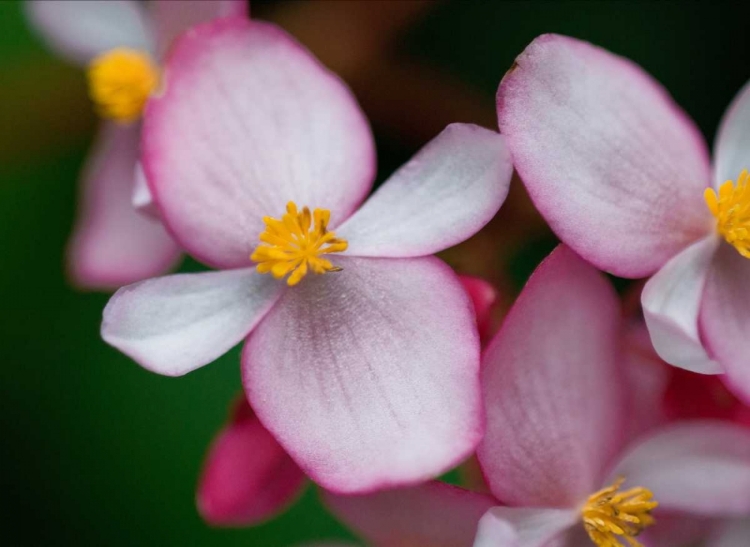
(95, 450)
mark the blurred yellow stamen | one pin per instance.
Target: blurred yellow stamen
(120, 82)
(731, 207)
(295, 244)
(613, 518)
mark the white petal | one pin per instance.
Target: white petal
(79, 30)
(522, 527)
(732, 149)
(444, 195)
(175, 324)
(671, 303)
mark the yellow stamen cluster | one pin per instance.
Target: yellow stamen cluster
(120, 82)
(295, 244)
(613, 518)
(731, 207)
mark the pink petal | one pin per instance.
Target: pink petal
(484, 297)
(434, 514)
(725, 315)
(732, 146)
(175, 324)
(79, 30)
(443, 196)
(699, 467)
(247, 477)
(649, 379)
(733, 533)
(522, 527)
(369, 377)
(248, 121)
(142, 199)
(612, 163)
(113, 244)
(553, 388)
(172, 17)
(671, 302)
(677, 530)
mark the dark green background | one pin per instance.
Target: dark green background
(95, 450)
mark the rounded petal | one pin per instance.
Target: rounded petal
(172, 17)
(671, 303)
(611, 162)
(698, 467)
(484, 297)
(733, 533)
(523, 527)
(732, 147)
(247, 122)
(434, 514)
(247, 477)
(725, 316)
(175, 324)
(79, 30)
(370, 377)
(443, 196)
(553, 389)
(112, 243)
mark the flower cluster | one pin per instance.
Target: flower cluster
(369, 366)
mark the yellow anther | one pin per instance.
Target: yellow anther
(731, 207)
(613, 518)
(120, 82)
(296, 243)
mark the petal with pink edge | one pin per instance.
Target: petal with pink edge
(553, 389)
(346, 376)
(172, 17)
(523, 527)
(698, 467)
(671, 303)
(444, 195)
(611, 162)
(248, 121)
(434, 514)
(732, 148)
(175, 324)
(733, 533)
(247, 477)
(79, 30)
(725, 316)
(113, 244)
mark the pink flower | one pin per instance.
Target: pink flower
(623, 176)
(364, 356)
(485, 297)
(248, 477)
(557, 451)
(114, 244)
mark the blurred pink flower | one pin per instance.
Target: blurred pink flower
(557, 432)
(366, 372)
(113, 244)
(623, 176)
(484, 296)
(248, 477)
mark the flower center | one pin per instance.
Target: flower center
(120, 82)
(611, 517)
(731, 207)
(296, 243)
